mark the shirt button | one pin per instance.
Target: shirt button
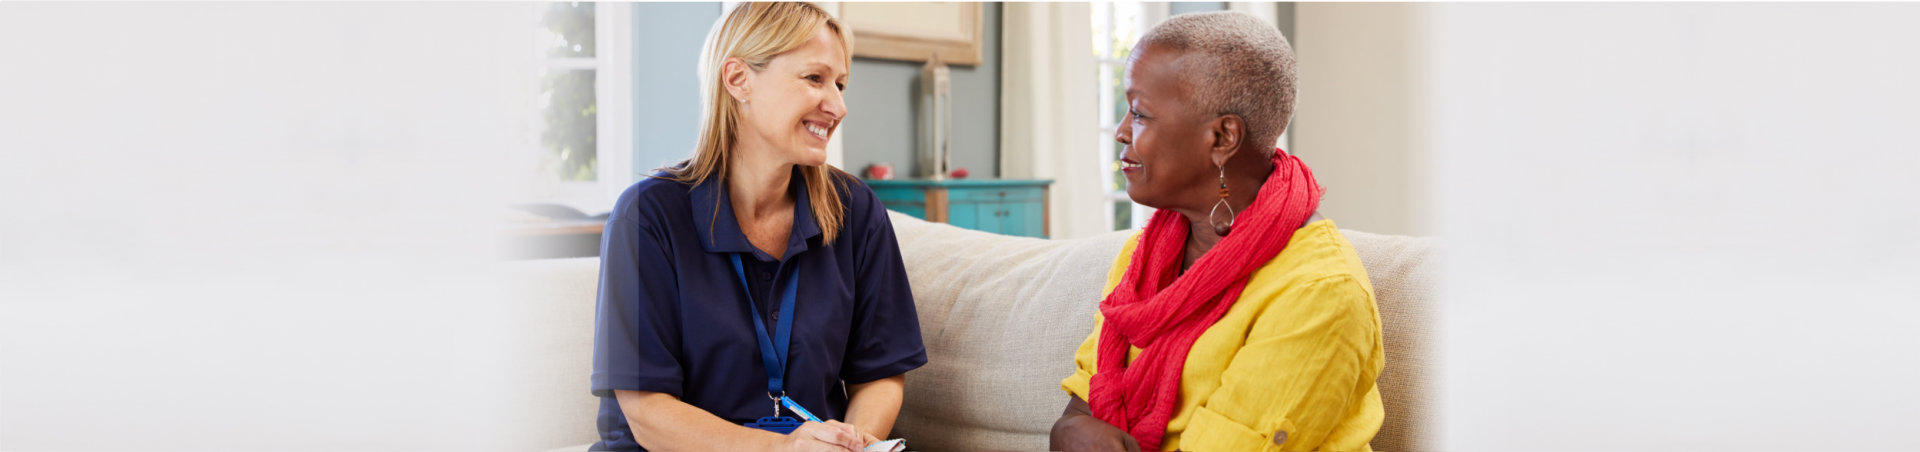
(764, 276)
(1279, 437)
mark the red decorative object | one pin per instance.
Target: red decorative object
(880, 171)
(958, 173)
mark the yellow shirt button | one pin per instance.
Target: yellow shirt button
(1279, 437)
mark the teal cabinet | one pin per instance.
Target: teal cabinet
(1000, 206)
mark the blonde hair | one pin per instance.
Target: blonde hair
(755, 33)
(1249, 68)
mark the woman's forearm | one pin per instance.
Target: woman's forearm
(873, 406)
(662, 422)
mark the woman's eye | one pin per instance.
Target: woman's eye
(814, 78)
(841, 86)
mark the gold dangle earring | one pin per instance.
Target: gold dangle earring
(1221, 229)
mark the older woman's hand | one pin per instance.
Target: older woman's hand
(1078, 431)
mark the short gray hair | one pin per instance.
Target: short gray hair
(1252, 68)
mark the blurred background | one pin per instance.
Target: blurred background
(229, 226)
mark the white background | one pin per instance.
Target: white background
(255, 226)
(1675, 227)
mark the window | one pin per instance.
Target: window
(1116, 26)
(582, 143)
(567, 104)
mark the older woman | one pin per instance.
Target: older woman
(754, 281)
(1237, 320)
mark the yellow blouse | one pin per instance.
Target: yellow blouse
(1291, 366)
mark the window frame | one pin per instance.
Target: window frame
(1151, 14)
(613, 100)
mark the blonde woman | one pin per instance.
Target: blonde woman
(753, 285)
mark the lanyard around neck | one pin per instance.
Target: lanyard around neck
(773, 351)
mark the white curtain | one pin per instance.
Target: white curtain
(251, 226)
(1049, 121)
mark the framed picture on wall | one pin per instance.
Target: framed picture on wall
(915, 31)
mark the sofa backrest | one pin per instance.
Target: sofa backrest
(1404, 287)
(1002, 316)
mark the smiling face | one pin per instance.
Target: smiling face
(794, 104)
(1166, 160)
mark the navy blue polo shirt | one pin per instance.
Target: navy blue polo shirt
(673, 317)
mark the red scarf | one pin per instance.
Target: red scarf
(1164, 319)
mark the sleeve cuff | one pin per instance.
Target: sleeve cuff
(895, 368)
(1078, 384)
(605, 383)
(1210, 430)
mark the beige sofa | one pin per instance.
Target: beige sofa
(1001, 317)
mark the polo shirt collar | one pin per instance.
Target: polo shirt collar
(720, 230)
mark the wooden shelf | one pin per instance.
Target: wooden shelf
(572, 227)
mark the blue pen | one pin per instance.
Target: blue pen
(795, 406)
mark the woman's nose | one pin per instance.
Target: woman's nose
(835, 104)
(1123, 132)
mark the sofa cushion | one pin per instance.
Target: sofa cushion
(549, 355)
(1001, 317)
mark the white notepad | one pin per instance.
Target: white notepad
(892, 445)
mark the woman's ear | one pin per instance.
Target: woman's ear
(735, 75)
(1228, 131)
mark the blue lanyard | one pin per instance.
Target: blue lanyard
(773, 351)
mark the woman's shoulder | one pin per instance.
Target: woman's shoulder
(1318, 278)
(1120, 261)
(652, 197)
(1318, 254)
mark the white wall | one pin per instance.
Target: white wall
(256, 226)
(1358, 121)
(1676, 226)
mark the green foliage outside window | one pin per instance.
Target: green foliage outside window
(571, 114)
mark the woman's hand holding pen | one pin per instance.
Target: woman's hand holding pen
(829, 436)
